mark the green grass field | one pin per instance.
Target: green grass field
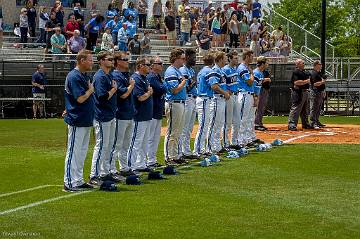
(293, 191)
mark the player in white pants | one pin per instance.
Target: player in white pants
(174, 107)
(205, 79)
(232, 121)
(124, 115)
(79, 116)
(159, 89)
(190, 104)
(218, 103)
(104, 123)
(246, 96)
(143, 114)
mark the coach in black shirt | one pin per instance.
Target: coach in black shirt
(317, 94)
(300, 81)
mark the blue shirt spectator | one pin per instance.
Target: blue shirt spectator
(105, 108)
(40, 79)
(231, 78)
(173, 78)
(94, 26)
(143, 109)
(131, 28)
(110, 14)
(78, 114)
(244, 75)
(205, 79)
(256, 9)
(159, 94)
(125, 107)
(189, 74)
(131, 12)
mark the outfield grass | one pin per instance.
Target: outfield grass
(294, 191)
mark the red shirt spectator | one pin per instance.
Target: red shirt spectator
(234, 4)
(71, 26)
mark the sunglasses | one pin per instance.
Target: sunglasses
(147, 64)
(108, 59)
(158, 63)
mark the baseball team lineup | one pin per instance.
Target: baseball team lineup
(126, 110)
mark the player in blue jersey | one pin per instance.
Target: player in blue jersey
(190, 104)
(124, 115)
(79, 116)
(218, 103)
(159, 89)
(175, 97)
(205, 93)
(232, 121)
(246, 96)
(104, 123)
(143, 115)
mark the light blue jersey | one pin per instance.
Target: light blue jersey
(244, 75)
(172, 78)
(205, 79)
(220, 77)
(258, 79)
(189, 74)
(231, 78)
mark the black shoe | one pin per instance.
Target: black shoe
(236, 147)
(292, 128)
(321, 125)
(144, 170)
(85, 186)
(180, 161)
(115, 177)
(307, 127)
(95, 181)
(67, 189)
(172, 163)
(155, 165)
(127, 173)
(260, 128)
(258, 141)
(223, 150)
(251, 144)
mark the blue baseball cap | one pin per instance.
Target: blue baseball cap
(133, 180)
(109, 186)
(155, 175)
(170, 170)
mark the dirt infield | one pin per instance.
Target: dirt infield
(332, 134)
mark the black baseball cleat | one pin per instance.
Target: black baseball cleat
(181, 160)
(95, 181)
(85, 186)
(258, 141)
(223, 150)
(236, 147)
(127, 173)
(155, 165)
(144, 170)
(321, 125)
(292, 128)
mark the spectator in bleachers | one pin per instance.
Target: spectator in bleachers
(157, 12)
(38, 90)
(263, 29)
(93, 27)
(170, 28)
(194, 18)
(143, 9)
(234, 27)
(256, 9)
(210, 17)
(134, 47)
(244, 30)
(71, 26)
(202, 23)
(223, 27)
(31, 13)
(207, 10)
(43, 19)
(185, 28)
(74, 45)
(238, 12)
(131, 27)
(234, 4)
(277, 34)
(93, 10)
(79, 17)
(131, 11)
(215, 29)
(110, 13)
(254, 28)
(107, 43)
(254, 46)
(24, 26)
(247, 13)
(49, 28)
(59, 13)
(265, 46)
(58, 43)
(1, 28)
(123, 38)
(285, 46)
(204, 41)
(78, 3)
(168, 7)
(115, 25)
(145, 44)
(117, 4)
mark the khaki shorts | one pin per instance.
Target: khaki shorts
(38, 95)
(171, 35)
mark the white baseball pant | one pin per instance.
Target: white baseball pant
(77, 147)
(232, 122)
(203, 109)
(138, 146)
(123, 132)
(104, 137)
(246, 102)
(175, 121)
(250, 131)
(190, 116)
(217, 120)
(154, 140)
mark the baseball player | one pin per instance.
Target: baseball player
(218, 102)
(143, 115)
(246, 96)
(124, 115)
(104, 123)
(159, 89)
(175, 98)
(79, 104)
(231, 109)
(190, 104)
(205, 93)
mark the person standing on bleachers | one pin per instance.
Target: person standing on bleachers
(38, 90)
(43, 19)
(71, 26)
(49, 28)
(31, 13)
(24, 26)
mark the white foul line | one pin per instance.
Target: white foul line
(41, 202)
(28, 190)
(310, 134)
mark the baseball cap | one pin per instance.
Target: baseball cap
(108, 186)
(170, 170)
(212, 8)
(133, 180)
(155, 175)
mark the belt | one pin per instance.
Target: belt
(176, 101)
(218, 95)
(235, 93)
(247, 92)
(191, 96)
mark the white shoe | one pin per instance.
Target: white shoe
(188, 44)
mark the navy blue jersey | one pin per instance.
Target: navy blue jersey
(79, 115)
(38, 78)
(258, 79)
(173, 78)
(143, 109)
(159, 94)
(125, 107)
(105, 108)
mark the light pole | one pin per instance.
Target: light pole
(323, 35)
